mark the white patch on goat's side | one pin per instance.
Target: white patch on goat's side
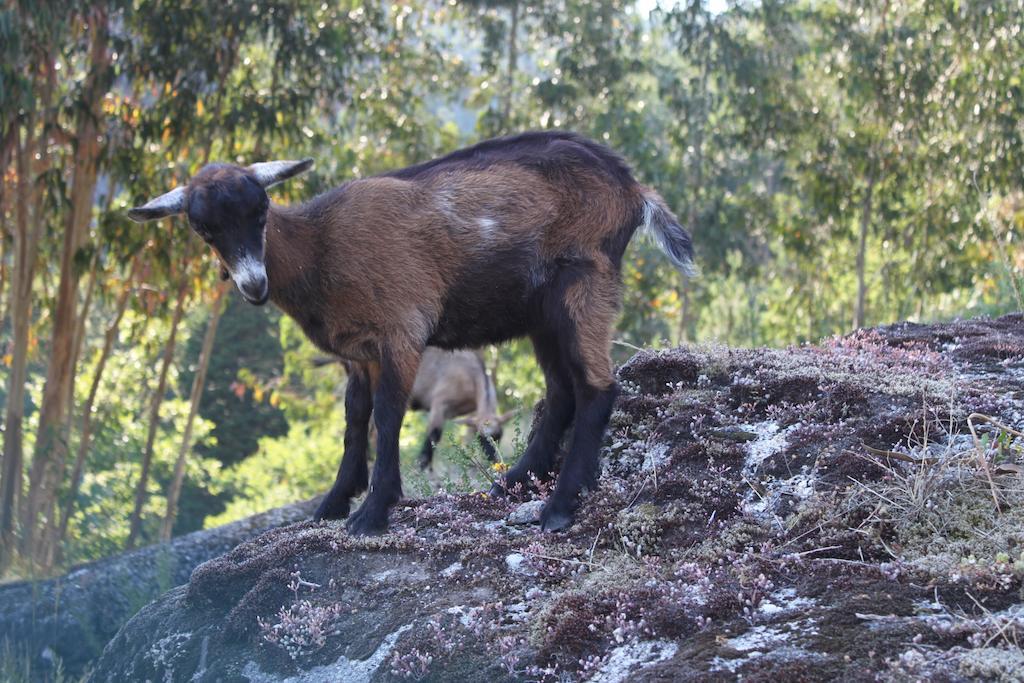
(488, 227)
(625, 661)
(445, 204)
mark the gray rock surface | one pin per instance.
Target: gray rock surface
(75, 615)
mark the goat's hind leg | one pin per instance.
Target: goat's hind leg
(591, 307)
(538, 458)
(353, 473)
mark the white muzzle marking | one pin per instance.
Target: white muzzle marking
(249, 273)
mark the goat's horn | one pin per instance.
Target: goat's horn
(165, 205)
(270, 173)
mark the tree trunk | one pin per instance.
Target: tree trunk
(51, 448)
(26, 242)
(198, 382)
(47, 543)
(85, 437)
(865, 223)
(135, 526)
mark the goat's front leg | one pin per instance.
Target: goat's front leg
(353, 474)
(397, 372)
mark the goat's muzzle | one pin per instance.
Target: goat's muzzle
(250, 276)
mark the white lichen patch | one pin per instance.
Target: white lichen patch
(411, 572)
(655, 457)
(625, 661)
(164, 651)
(784, 600)
(451, 570)
(762, 502)
(516, 563)
(772, 641)
(342, 669)
(466, 615)
(769, 440)
(758, 639)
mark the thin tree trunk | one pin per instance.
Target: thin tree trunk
(198, 382)
(29, 230)
(51, 449)
(48, 541)
(7, 147)
(26, 240)
(85, 437)
(865, 223)
(135, 524)
(79, 341)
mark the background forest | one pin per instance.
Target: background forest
(839, 163)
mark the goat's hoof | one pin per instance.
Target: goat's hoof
(367, 522)
(555, 518)
(331, 509)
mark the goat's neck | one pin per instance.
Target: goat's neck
(291, 258)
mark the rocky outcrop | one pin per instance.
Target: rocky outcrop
(851, 510)
(70, 618)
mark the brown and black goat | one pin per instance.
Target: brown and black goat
(453, 385)
(513, 237)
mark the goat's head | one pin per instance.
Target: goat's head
(227, 206)
(489, 429)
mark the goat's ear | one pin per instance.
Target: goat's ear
(165, 205)
(270, 173)
(505, 417)
(468, 420)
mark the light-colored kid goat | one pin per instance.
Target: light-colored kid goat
(453, 385)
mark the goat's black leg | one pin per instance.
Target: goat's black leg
(559, 404)
(427, 452)
(353, 474)
(586, 335)
(581, 467)
(397, 373)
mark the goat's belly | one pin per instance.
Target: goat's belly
(491, 302)
(464, 326)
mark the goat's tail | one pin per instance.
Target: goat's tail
(672, 237)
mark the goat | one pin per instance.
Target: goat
(453, 385)
(512, 237)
